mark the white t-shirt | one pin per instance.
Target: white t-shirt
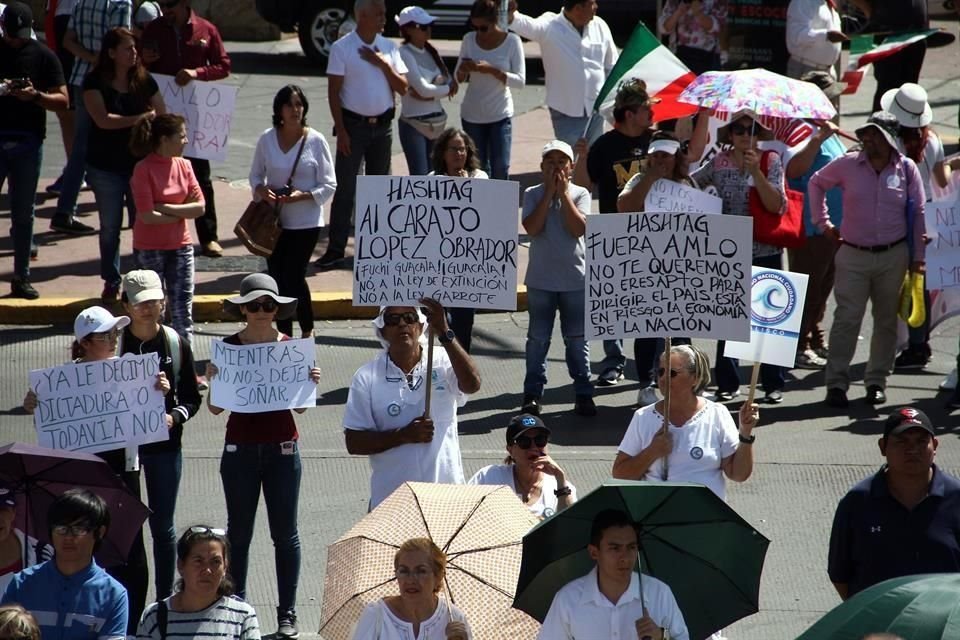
(377, 622)
(580, 611)
(381, 400)
(315, 173)
(36, 552)
(365, 89)
(422, 71)
(932, 154)
(544, 507)
(486, 98)
(699, 446)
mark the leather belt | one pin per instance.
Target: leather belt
(877, 248)
(384, 117)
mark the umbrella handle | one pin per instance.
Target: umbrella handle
(429, 392)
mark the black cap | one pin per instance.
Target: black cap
(906, 418)
(523, 422)
(18, 20)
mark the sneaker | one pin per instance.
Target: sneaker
(724, 396)
(875, 395)
(809, 360)
(329, 260)
(950, 382)
(202, 383)
(773, 397)
(212, 249)
(71, 227)
(610, 377)
(913, 358)
(110, 293)
(287, 625)
(531, 405)
(822, 351)
(585, 406)
(647, 396)
(836, 398)
(21, 288)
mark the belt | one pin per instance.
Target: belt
(386, 116)
(811, 63)
(877, 248)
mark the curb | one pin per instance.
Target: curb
(337, 305)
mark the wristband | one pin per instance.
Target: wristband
(747, 440)
(563, 491)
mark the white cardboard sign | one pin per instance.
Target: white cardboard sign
(943, 253)
(667, 195)
(268, 376)
(208, 109)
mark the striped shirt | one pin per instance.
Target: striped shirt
(90, 20)
(228, 618)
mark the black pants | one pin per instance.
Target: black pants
(288, 266)
(898, 69)
(646, 355)
(207, 223)
(461, 322)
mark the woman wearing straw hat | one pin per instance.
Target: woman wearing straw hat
(733, 172)
(261, 452)
(919, 142)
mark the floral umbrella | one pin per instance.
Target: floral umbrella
(761, 91)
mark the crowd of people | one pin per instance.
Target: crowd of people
(863, 221)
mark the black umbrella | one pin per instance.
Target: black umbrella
(39, 475)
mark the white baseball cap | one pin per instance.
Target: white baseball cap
(414, 14)
(664, 144)
(97, 320)
(558, 145)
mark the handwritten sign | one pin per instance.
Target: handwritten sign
(674, 197)
(776, 309)
(668, 274)
(270, 376)
(99, 406)
(943, 253)
(451, 239)
(208, 110)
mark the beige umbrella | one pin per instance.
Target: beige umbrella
(480, 528)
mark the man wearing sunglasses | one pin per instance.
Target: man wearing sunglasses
(71, 596)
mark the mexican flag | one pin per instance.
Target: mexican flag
(863, 52)
(646, 59)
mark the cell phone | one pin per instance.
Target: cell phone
(18, 83)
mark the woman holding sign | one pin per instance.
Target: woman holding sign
(733, 173)
(261, 452)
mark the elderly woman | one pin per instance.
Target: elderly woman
(17, 550)
(702, 444)
(203, 605)
(536, 478)
(418, 612)
(386, 416)
(261, 453)
(733, 172)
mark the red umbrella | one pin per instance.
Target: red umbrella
(39, 475)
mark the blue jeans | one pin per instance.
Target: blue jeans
(111, 191)
(20, 160)
(162, 474)
(613, 356)
(76, 162)
(244, 469)
(570, 128)
(493, 140)
(542, 307)
(417, 149)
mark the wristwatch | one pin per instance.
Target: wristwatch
(562, 491)
(448, 337)
(747, 440)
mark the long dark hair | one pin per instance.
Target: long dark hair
(440, 148)
(202, 533)
(429, 48)
(106, 69)
(915, 141)
(283, 97)
(147, 133)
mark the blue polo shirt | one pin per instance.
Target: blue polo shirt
(876, 538)
(87, 605)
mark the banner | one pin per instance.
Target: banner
(269, 376)
(776, 309)
(668, 274)
(757, 35)
(674, 197)
(99, 406)
(451, 239)
(943, 253)
(208, 109)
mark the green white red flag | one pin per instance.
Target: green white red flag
(863, 52)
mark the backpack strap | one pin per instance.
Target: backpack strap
(172, 339)
(162, 619)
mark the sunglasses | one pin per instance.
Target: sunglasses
(394, 319)
(74, 531)
(200, 529)
(673, 372)
(738, 129)
(524, 442)
(105, 336)
(421, 27)
(268, 306)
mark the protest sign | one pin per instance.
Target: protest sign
(757, 34)
(668, 274)
(451, 239)
(208, 110)
(776, 309)
(268, 376)
(943, 253)
(101, 405)
(674, 197)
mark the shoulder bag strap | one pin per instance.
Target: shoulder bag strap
(162, 619)
(296, 163)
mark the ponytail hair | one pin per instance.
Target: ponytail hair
(146, 135)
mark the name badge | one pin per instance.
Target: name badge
(893, 182)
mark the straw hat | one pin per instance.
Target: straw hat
(909, 105)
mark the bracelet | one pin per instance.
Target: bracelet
(747, 440)
(563, 491)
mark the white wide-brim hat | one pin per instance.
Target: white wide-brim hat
(909, 104)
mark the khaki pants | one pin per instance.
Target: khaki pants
(861, 276)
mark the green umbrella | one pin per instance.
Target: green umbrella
(689, 538)
(924, 607)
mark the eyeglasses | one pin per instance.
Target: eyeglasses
(393, 319)
(419, 574)
(268, 306)
(738, 129)
(200, 529)
(105, 336)
(74, 531)
(524, 442)
(673, 372)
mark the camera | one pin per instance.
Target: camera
(282, 191)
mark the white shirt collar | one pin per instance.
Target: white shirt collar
(591, 591)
